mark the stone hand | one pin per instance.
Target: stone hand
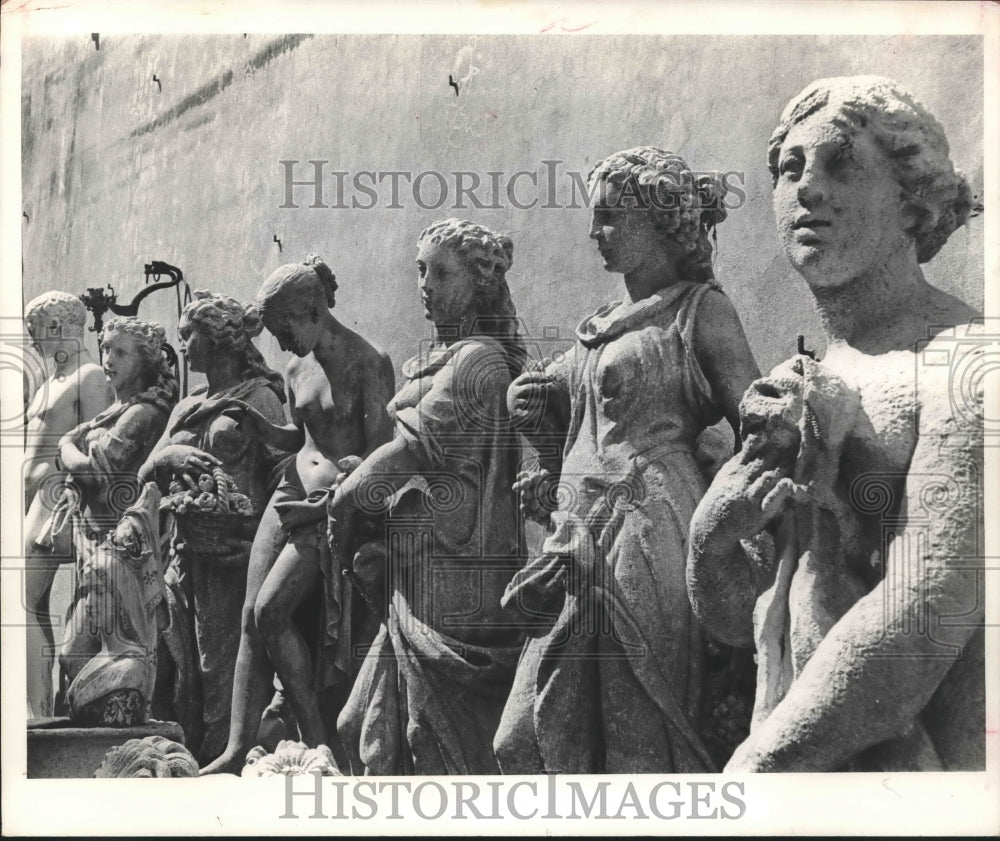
(299, 512)
(528, 397)
(180, 459)
(346, 466)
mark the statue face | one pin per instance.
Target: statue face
(625, 235)
(838, 205)
(123, 361)
(295, 331)
(447, 286)
(45, 332)
(196, 344)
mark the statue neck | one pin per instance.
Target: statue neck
(658, 271)
(870, 312)
(447, 334)
(325, 350)
(225, 372)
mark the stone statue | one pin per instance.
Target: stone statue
(107, 653)
(154, 756)
(843, 540)
(290, 759)
(74, 392)
(429, 695)
(208, 459)
(612, 682)
(338, 385)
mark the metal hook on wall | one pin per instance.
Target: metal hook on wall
(100, 302)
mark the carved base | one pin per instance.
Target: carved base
(59, 749)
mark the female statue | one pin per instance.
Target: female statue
(102, 457)
(843, 541)
(207, 432)
(614, 683)
(338, 385)
(429, 695)
(75, 391)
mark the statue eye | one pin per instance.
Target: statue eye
(791, 165)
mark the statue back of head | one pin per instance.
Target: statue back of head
(230, 326)
(911, 138)
(297, 286)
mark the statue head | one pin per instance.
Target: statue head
(293, 301)
(134, 348)
(54, 317)
(152, 756)
(861, 168)
(463, 280)
(648, 198)
(289, 759)
(213, 325)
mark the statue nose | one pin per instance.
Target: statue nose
(810, 191)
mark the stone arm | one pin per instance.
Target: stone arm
(289, 438)
(92, 397)
(368, 486)
(730, 555)
(880, 664)
(724, 355)
(377, 390)
(540, 406)
(118, 448)
(166, 458)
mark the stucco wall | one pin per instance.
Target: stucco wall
(117, 172)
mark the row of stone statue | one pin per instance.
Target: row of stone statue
(357, 577)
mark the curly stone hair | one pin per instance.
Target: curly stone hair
(688, 208)
(69, 309)
(161, 384)
(911, 138)
(230, 326)
(488, 256)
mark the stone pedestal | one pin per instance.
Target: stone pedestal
(58, 749)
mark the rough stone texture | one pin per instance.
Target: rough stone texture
(121, 586)
(57, 749)
(616, 683)
(289, 759)
(429, 695)
(338, 384)
(845, 538)
(213, 470)
(70, 389)
(108, 653)
(117, 173)
(151, 756)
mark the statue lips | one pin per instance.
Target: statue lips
(807, 227)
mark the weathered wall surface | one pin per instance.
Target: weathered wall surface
(118, 172)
